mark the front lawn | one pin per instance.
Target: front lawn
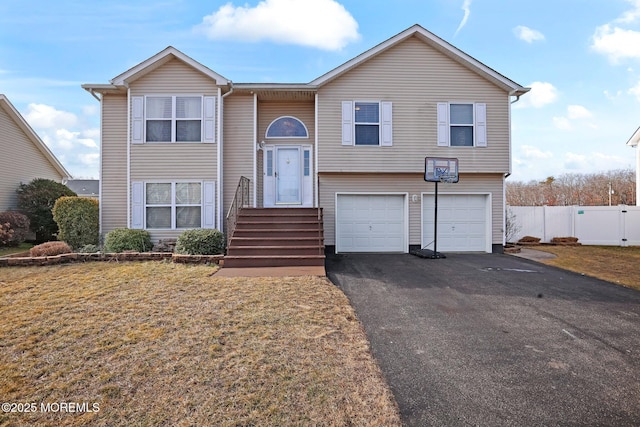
(620, 265)
(23, 247)
(168, 344)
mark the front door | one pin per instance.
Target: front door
(287, 176)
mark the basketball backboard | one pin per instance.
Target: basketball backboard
(440, 169)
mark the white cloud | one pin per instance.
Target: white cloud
(527, 34)
(616, 43)
(323, 24)
(631, 16)
(593, 162)
(466, 7)
(541, 94)
(578, 112)
(562, 123)
(635, 91)
(531, 152)
(47, 117)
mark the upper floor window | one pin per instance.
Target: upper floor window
(173, 118)
(462, 124)
(287, 127)
(367, 123)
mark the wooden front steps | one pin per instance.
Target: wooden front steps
(277, 237)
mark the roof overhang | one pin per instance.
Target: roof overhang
(635, 139)
(33, 136)
(439, 44)
(277, 91)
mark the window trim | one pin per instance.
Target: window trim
(306, 130)
(173, 205)
(385, 123)
(138, 117)
(479, 126)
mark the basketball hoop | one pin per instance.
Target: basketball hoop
(448, 178)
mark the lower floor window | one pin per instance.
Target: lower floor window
(170, 205)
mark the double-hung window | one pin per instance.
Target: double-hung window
(171, 205)
(462, 124)
(172, 118)
(367, 123)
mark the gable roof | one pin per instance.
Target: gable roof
(84, 186)
(161, 58)
(635, 139)
(30, 133)
(439, 44)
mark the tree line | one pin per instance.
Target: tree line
(616, 187)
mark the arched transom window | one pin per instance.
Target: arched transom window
(287, 127)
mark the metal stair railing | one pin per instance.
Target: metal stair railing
(240, 200)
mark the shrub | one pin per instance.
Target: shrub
(50, 249)
(201, 241)
(36, 200)
(78, 220)
(89, 249)
(126, 239)
(14, 228)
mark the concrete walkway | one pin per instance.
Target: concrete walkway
(272, 271)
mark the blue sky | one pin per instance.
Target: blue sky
(580, 57)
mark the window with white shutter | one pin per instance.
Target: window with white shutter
(367, 123)
(461, 124)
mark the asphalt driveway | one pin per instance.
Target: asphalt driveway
(494, 340)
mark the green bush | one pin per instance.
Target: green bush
(89, 249)
(126, 239)
(36, 199)
(14, 228)
(50, 249)
(78, 220)
(201, 241)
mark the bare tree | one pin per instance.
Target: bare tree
(597, 189)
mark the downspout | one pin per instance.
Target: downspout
(316, 183)
(128, 157)
(255, 152)
(220, 195)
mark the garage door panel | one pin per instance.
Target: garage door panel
(462, 222)
(370, 223)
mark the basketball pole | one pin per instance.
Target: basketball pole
(435, 254)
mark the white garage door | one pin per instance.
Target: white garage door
(462, 223)
(370, 223)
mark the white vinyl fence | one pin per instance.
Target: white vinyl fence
(592, 225)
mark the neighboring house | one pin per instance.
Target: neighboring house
(84, 187)
(177, 137)
(25, 156)
(634, 142)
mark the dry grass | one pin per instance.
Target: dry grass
(166, 344)
(620, 265)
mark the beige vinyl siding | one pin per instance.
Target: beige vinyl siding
(414, 77)
(22, 161)
(412, 184)
(239, 145)
(267, 113)
(113, 194)
(170, 162)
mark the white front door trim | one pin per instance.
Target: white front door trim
(288, 175)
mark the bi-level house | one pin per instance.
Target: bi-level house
(177, 137)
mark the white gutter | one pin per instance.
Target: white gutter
(316, 184)
(220, 201)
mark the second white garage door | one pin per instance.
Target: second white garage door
(370, 223)
(462, 223)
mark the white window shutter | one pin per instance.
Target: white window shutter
(443, 124)
(137, 119)
(209, 119)
(208, 204)
(386, 121)
(137, 205)
(481, 125)
(347, 122)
